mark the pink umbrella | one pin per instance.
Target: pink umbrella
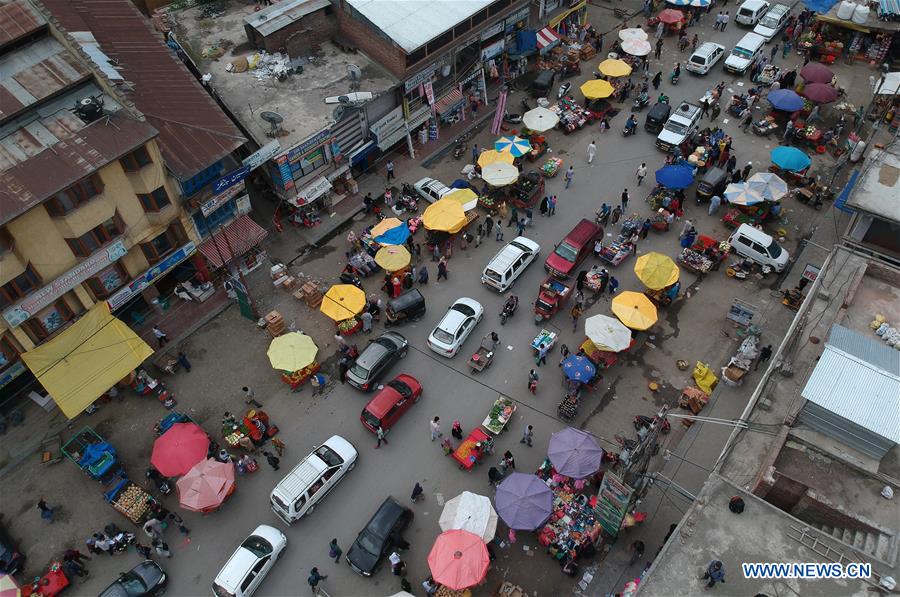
(9, 587)
(206, 485)
(458, 560)
(820, 93)
(179, 448)
(816, 72)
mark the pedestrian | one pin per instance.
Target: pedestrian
(103, 543)
(162, 548)
(405, 585)
(334, 551)
(160, 335)
(725, 19)
(645, 228)
(178, 520)
(813, 115)
(541, 359)
(46, 511)
(272, 460)
(435, 251)
(591, 151)
(616, 214)
(641, 173)
(764, 355)
(442, 269)
(747, 120)
(731, 163)
(379, 433)
(714, 204)
(688, 225)
(532, 381)
(475, 154)
(660, 29)
(529, 214)
(625, 198)
(390, 170)
(456, 430)
(366, 319)
(143, 550)
(479, 232)
(704, 108)
(563, 353)
(715, 572)
(637, 551)
(417, 493)
(772, 53)
(430, 586)
(746, 173)
(73, 569)
(576, 313)
(551, 206)
(184, 362)
(494, 475)
(74, 554)
(250, 397)
(659, 47)
(657, 79)
(423, 275)
(527, 436)
(786, 49)
(613, 285)
(435, 426)
(513, 216)
(509, 460)
(498, 231)
(397, 565)
(314, 579)
(570, 174)
(718, 22)
(520, 227)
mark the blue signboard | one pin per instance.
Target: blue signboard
(230, 179)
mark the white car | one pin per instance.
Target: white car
(704, 58)
(431, 190)
(447, 338)
(248, 565)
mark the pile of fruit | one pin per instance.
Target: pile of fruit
(348, 326)
(298, 377)
(132, 502)
(487, 201)
(500, 414)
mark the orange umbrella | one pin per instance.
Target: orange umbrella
(458, 560)
(206, 485)
(670, 16)
(179, 448)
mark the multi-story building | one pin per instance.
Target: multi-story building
(104, 148)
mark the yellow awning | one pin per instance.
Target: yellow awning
(87, 359)
(560, 17)
(842, 23)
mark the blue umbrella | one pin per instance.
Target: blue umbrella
(394, 236)
(790, 158)
(786, 100)
(675, 177)
(578, 368)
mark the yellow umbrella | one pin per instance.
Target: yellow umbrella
(444, 216)
(392, 257)
(292, 352)
(385, 225)
(597, 89)
(343, 301)
(656, 270)
(492, 156)
(465, 197)
(634, 310)
(615, 68)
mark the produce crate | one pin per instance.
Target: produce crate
(130, 499)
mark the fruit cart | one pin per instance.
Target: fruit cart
(551, 167)
(130, 499)
(484, 356)
(298, 378)
(471, 450)
(93, 455)
(615, 252)
(768, 75)
(526, 191)
(596, 279)
(501, 412)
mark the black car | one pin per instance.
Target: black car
(380, 537)
(145, 579)
(11, 560)
(376, 359)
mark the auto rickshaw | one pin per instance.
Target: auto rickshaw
(657, 117)
(713, 183)
(552, 295)
(542, 84)
(409, 306)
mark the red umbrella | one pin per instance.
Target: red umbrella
(458, 560)
(820, 93)
(206, 485)
(816, 72)
(179, 448)
(670, 16)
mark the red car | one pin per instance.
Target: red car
(573, 249)
(391, 402)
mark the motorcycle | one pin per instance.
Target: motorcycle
(407, 202)
(351, 278)
(119, 540)
(673, 78)
(460, 149)
(563, 90)
(512, 118)
(162, 484)
(509, 307)
(640, 102)
(525, 105)
(629, 130)
(645, 422)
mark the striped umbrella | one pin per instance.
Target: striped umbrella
(636, 47)
(742, 194)
(517, 146)
(769, 185)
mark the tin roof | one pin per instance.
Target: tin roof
(868, 349)
(278, 16)
(194, 133)
(18, 19)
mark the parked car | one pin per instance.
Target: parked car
(751, 11)
(431, 189)
(773, 21)
(679, 127)
(504, 267)
(458, 322)
(756, 245)
(248, 565)
(144, 580)
(577, 245)
(312, 479)
(11, 559)
(389, 404)
(376, 359)
(379, 537)
(704, 58)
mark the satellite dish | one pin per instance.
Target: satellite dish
(355, 75)
(274, 119)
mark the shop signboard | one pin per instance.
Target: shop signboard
(810, 272)
(494, 49)
(208, 207)
(262, 155)
(311, 143)
(613, 500)
(12, 372)
(419, 78)
(127, 292)
(522, 15)
(429, 93)
(313, 191)
(230, 179)
(388, 125)
(284, 172)
(491, 31)
(36, 301)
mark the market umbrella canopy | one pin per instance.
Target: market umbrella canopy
(675, 177)
(670, 16)
(574, 453)
(540, 119)
(578, 368)
(634, 310)
(392, 257)
(615, 68)
(394, 236)
(636, 47)
(633, 33)
(492, 156)
(499, 174)
(816, 72)
(385, 225)
(607, 333)
(177, 450)
(444, 216)
(741, 193)
(465, 197)
(206, 485)
(656, 271)
(790, 158)
(517, 146)
(458, 559)
(786, 100)
(470, 512)
(769, 185)
(292, 352)
(524, 502)
(596, 89)
(343, 301)
(9, 587)
(820, 93)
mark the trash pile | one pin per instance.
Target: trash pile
(264, 65)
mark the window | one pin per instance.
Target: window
(49, 320)
(480, 17)
(440, 41)
(308, 163)
(415, 57)
(75, 196)
(9, 354)
(19, 286)
(136, 160)
(96, 237)
(6, 240)
(155, 250)
(498, 7)
(155, 201)
(108, 281)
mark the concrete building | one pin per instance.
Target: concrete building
(106, 145)
(873, 199)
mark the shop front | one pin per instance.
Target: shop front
(158, 281)
(832, 38)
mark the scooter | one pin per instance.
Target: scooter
(162, 484)
(640, 102)
(509, 307)
(645, 422)
(119, 539)
(563, 90)
(512, 118)
(673, 79)
(460, 149)
(627, 131)
(351, 278)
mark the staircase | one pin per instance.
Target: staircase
(879, 546)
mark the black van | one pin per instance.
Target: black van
(409, 306)
(543, 83)
(657, 117)
(713, 182)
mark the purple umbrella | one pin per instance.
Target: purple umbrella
(574, 453)
(816, 72)
(820, 93)
(524, 502)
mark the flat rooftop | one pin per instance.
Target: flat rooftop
(876, 190)
(214, 43)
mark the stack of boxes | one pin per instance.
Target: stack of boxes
(274, 324)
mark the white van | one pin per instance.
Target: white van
(249, 564)
(309, 482)
(773, 21)
(704, 58)
(756, 245)
(744, 52)
(503, 269)
(751, 11)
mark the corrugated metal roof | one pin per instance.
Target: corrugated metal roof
(193, 131)
(18, 19)
(857, 390)
(278, 16)
(866, 348)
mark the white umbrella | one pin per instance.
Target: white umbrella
(607, 332)
(741, 193)
(635, 33)
(636, 47)
(499, 174)
(470, 512)
(540, 119)
(769, 185)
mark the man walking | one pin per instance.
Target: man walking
(314, 579)
(520, 228)
(725, 19)
(160, 336)
(625, 198)
(551, 206)
(764, 355)
(570, 174)
(591, 151)
(379, 433)
(576, 313)
(272, 460)
(390, 170)
(542, 354)
(641, 173)
(659, 47)
(498, 231)
(250, 397)
(435, 425)
(746, 173)
(475, 154)
(442, 269)
(334, 551)
(527, 436)
(715, 572)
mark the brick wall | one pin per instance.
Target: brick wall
(298, 38)
(375, 47)
(813, 507)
